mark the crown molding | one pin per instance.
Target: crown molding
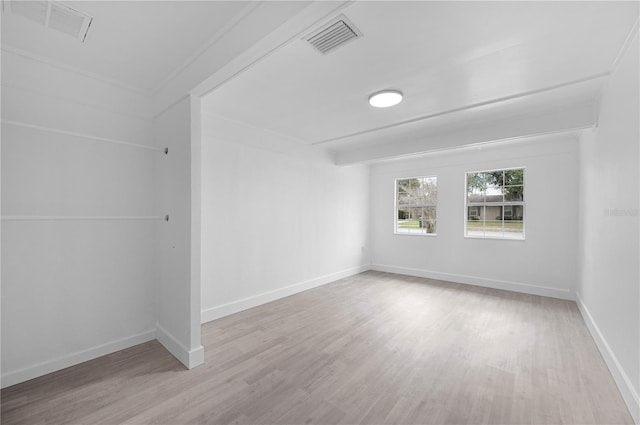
(83, 136)
(633, 34)
(73, 69)
(246, 11)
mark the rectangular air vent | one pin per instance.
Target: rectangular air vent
(34, 10)
(54, 15)
(336, 34)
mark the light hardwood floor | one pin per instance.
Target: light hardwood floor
(374, 348)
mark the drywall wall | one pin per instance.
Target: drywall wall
(277, 218)
(73, 289)
(544, 263)
(178, 290)
(609, 286)
(77, 289)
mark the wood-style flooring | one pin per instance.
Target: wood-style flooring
(375, 348)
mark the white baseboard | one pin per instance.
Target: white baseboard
(478, 281)
(30, 372)
(223, 310)
(629, 393)
(189, 358)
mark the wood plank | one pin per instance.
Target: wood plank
(372, 348)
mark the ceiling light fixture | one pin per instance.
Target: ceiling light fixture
(385, 98)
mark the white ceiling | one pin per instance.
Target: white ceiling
(508, 57)
(138, 43)
(458, 63)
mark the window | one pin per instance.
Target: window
(416, 200)
(495, 204)
(474, 213)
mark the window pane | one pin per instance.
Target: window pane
(428, 191)
(514, 229)
(489, 203)
(416, 205)
(475, 221)
(494, 182)
(476, 187)
(514, 193)
(474, 196)
(428, 219)
(513, 226)
(493, 228)
(514, 177)
(404, 221)
(494, 195)
(482, 213)
(406, 190)
(518, 212)
(473, 213)
(493, 213)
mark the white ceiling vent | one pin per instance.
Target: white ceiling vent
(54, 15)
(336, 34)
(34, 10)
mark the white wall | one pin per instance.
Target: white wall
(277, 218)
(76, 289)
(545, 263)
(608, 291)
(73, 289)
(178, 294)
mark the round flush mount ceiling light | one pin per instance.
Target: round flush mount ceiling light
(385, 98)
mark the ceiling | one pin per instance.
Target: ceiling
(456, 62)
(138, 43)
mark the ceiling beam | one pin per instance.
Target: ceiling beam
(261, 31)
(573, 117)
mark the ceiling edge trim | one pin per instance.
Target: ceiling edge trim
(633, 33)
(470, 146)
(180, 99)
(246, 11)
(464, 108)
(97, 107)
(111, 81)
(297, 141)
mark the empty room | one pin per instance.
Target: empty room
(320, 212)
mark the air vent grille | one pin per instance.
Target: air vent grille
(33, 10)
(66, 20)
(54, 15)
(334, 35)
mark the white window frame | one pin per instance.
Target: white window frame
(395, 207)
(500, 204)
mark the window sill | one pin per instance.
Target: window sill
(415, 234)
(494, 238)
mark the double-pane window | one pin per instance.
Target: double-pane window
(416, 200)
(495, 204)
